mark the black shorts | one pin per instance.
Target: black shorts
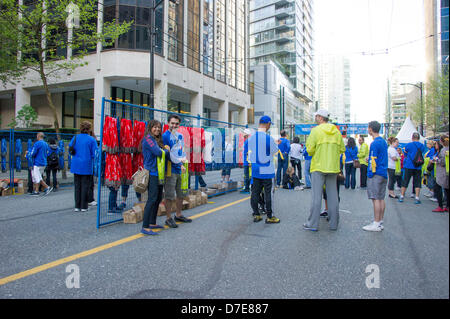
(416, 174)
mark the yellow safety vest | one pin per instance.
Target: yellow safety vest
(185, 179)
(446, 162)
(398, 167)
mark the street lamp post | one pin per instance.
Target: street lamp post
(420, 87)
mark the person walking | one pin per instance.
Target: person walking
(351, 155)
(377, 176)
(433, 151)
(52, 163)
(442, 169)
(262, 148)
(413, 150)
(295, 155)
(82, 165)
(152, 149)
(394, 165)
(283, 156)
(172, 186)
(38, 156)
(325, 144)
(363, 153)
(246, 189)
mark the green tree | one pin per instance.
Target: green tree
(34, 39)
(25, 117)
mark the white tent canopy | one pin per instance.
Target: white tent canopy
(406, 132)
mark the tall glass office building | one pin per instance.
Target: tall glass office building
(282, 31)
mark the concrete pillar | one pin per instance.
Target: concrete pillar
(102, 88)
(22, 97)
(197, 105)
(243, 120)
(161, 92)
(223, 111)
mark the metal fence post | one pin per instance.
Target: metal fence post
(99, 166)
(11, 159)
(196, 176)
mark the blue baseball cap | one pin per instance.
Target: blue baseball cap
(265, 119)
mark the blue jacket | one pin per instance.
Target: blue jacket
(306, 155)
(351, 154)
(410, 153)
(284, 146)
(244, 156)
(83, 160)
(263, 148)
(38, 154)
(378, 151)
(150, 151)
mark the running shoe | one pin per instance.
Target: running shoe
(183, 219)
(272, 220)
(306, 227)
(171, 223)
(257, 218)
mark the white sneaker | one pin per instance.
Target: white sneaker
(412, 195)
(297, 188)
(93, 203)
(76, 210)
(84, 210)
(373, 227)
(397, 188)
(433, 199)
(428, 194)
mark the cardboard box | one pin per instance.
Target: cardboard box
(232, 185)
(130, 217)
(211, 191)
(204, 198)
(7, 192)
(138, 208)
(192, 200)
(198, 199)
(185, 204)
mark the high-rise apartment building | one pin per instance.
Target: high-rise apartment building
(282, 31)
(334, 87)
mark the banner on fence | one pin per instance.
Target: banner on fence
(344, 128)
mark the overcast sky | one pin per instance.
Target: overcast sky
(352, 26)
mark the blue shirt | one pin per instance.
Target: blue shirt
(176, 144)
(262, 148)
(284, 146)
(351, 154)
(150, 151)
(379, 150)
(410, 152)
(245, 159)
(83, 161)
(38, 153)
(306, 155)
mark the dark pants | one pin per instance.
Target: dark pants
(282, 166)
(297, 165)
(290, 182)
(30, 181)
(363, 175)
(257, 187)
(91, 189)
(201, 182)
(82, 184)
(112, 200)
(416, 174)
(350, 175)
(247, 178)
(438, 194)
(53, 173)
(124, 192)
(155, 192)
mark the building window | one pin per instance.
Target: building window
(208, 37)
(193, 35)
(231, 45)
(179, 107)
(220, 39)
(175, 31)
(78, 106)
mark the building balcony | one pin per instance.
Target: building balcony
(284, 12)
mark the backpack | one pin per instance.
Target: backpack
(418, 159)
(53, 160)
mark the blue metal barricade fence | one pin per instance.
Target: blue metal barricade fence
(14, 146)
(217, 141)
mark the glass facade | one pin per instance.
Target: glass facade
(444, 32)
(77, 106)
(175, 31)
(193, 35)
(220, 40)
(231, 44)
(208, 37)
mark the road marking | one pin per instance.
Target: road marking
(345, 211)
(211, 202)
(95, 250)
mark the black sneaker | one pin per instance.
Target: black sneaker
(35, 194)
(183, 219)
(171, 223)
(324, 214)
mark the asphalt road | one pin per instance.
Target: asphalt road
(224, 254)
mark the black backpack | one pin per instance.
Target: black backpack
(418, 159)
(53, 160)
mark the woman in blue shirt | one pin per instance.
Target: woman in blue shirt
(82, 164)
(351, 154)
(152, 148)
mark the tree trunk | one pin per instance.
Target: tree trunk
(49, 97)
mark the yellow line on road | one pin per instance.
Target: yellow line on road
(95, 250)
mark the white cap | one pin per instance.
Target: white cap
(323, 113)
(247, 131)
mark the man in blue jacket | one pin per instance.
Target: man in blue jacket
(38, 156)
(283, 156)
(412, 170)
(262, 148)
